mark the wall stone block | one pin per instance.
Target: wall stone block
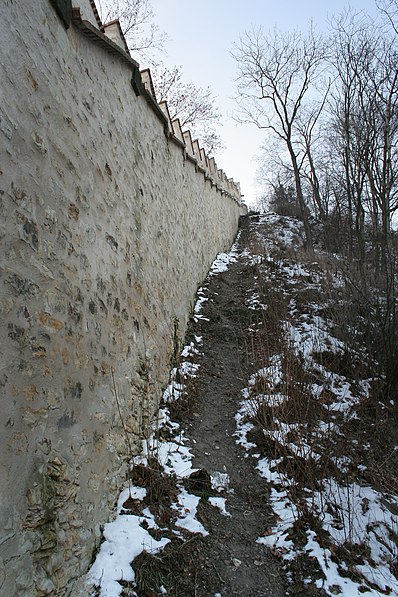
(106, 232)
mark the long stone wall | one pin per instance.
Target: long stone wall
(109, 222)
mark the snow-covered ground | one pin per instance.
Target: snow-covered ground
(349, 513)
(128, 535)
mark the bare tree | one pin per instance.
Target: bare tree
(194, 106)
(380, 110)
(136, 17)
(389, 9)
(365, 113)
(310, 137)
(351, 47)
(276, 73)
(365, 118)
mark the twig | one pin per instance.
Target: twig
(218, 574)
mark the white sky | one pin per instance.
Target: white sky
(201, 37)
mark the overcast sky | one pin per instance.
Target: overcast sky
(200, 41)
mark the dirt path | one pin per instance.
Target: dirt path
(233, 563)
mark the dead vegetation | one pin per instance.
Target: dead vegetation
(187, 557)
(321, 408)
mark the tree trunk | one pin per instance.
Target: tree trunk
(300, 195)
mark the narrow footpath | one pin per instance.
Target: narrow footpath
(233, 561)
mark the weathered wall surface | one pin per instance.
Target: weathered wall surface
(106, 231)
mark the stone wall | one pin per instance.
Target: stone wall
(109, 222)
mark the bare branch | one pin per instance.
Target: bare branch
(136, 18)
(194, 106)
(276, 73)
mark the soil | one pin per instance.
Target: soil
(239, 565)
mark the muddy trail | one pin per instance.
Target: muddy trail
(233, 563)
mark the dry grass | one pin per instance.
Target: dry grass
(155, 570)
(161, 492)
(301, 434)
